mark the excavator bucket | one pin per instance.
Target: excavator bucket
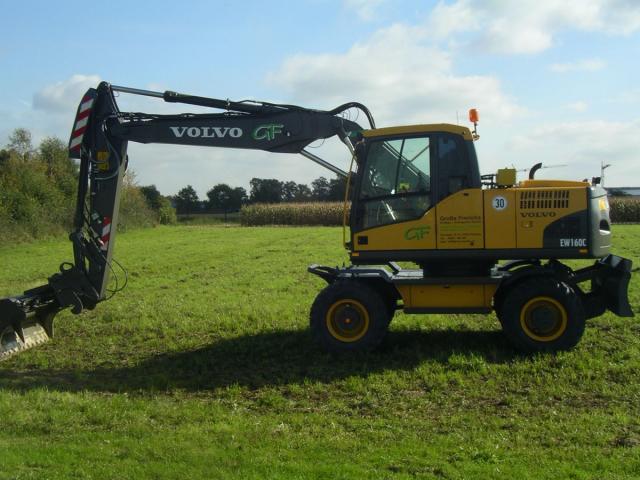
(22, 326)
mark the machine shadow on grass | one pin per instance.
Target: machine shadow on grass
(267, 359)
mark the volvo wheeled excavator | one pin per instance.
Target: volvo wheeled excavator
(414, 195)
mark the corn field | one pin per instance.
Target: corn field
(330, 213)
(315, 213)
(625, 210)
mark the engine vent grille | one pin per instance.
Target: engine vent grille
(544, 199)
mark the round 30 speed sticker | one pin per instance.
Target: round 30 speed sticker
(499, 203)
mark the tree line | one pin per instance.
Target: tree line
(223, 197)
(38, 186)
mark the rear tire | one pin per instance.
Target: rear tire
(542, 315)
(349, 316)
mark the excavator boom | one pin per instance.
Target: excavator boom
(99, 140)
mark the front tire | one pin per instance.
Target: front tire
(542, 315)
(349, 316)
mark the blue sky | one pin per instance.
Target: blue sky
(555, 81)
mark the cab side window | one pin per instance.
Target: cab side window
(454, 172)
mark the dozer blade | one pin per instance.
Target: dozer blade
(22, 328)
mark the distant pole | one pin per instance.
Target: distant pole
(603, 167)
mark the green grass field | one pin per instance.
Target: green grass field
(203, 368)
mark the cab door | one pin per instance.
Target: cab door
(460, 209)
(395, 196)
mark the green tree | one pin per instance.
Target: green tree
(134, 210)
(159, 204)
(337, 188)
(166, 212)
(321, 189)
(21, 143)
(187, 200)
(296, 192)
(60, 168)
(239, 197)
(153, 196)
(223, 197)
(303, 193)
(265, 190)
(289, 191)
(4, 156)
(37, 196)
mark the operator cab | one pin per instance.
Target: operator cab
(405, 171)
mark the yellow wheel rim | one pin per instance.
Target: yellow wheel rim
(543, 319)
(347, 320)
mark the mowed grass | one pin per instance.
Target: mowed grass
(204, 368)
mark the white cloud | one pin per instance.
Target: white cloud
(53, 107)
(50, 111)
(514, 36)
(366, 10)
(531, 26)
(62, 97)
(447, 19)
(582, 146)
(578, 106)
(400, 77)
(619, 17)
(587, 65)
(627, 97)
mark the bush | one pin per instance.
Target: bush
(38, 193)
(316, 213)
(7, 228)
(166, 213)
(135, 212)
(31, 204)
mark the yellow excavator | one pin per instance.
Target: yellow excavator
(476, 243)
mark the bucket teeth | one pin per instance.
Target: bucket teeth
(17, 327)
(46, 322)
(13, 342)
(21, 328)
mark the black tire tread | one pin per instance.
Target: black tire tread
(379, 316)
(514, 300)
